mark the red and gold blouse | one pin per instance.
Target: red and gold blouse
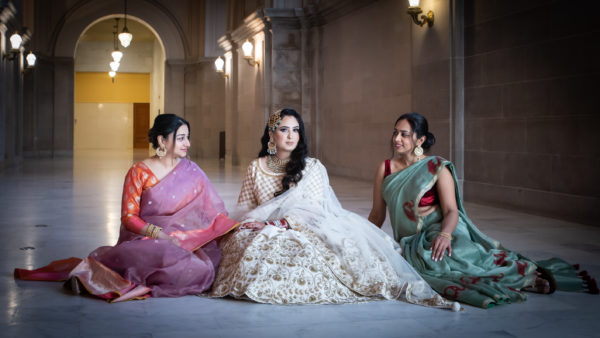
(138, 178)
(429, 198)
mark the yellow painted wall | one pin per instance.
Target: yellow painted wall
(103, 126)
(98, 87)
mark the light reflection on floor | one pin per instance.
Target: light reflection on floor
(79, 201)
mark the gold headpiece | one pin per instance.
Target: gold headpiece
(274, 120)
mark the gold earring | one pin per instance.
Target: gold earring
(161, 151)
(418, 150)
(271, 147)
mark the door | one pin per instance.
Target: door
(141, 125)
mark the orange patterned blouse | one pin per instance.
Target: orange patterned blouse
(138, 178)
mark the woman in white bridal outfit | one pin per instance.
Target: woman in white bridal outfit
(297, 245)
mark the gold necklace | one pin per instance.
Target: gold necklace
(276, 164)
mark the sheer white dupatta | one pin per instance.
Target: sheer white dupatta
(362, 256)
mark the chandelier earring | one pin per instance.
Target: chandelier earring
(161, 151)
(271, 147)
(418, 151)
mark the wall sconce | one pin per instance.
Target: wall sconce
(29, 62)
(247, 48)
(219, 66)
(414, 10)
(15, 46)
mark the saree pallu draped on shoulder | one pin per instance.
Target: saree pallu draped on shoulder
(185, 204)
(480, 272)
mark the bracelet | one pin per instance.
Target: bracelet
(152, 230)
(280, 223)
(445, 235)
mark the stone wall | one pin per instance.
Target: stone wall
(531, 120)
(366, 77)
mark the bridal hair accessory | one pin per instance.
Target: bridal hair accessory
(418, 151)
(274, 121)
(161, 151)
(271, 147)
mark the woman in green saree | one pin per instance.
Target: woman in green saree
(439, 240)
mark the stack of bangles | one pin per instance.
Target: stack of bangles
(280, 223)
(152, 230)
(445, 235)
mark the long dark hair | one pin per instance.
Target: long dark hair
(420, 127)
(164, 125)
(293, 169)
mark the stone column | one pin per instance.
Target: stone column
(457, 88)
(286, 59)
(230, 72)
(311, 42)
(175, 87)
(63, 106)
(248, 87)
(3, 77)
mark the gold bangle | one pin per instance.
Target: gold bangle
(445, 235)
(155, 231)
(152, 230)
(148, 231)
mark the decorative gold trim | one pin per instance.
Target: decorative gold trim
(259, 165)
(225, 233)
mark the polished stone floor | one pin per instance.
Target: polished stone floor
(60, 208)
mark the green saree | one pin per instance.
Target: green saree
(480, 272)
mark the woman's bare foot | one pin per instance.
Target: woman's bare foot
(540, 285)
(73, 284)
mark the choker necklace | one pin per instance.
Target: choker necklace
(276, 164)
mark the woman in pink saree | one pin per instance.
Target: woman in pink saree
(170, 217)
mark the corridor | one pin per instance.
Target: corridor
(64, 207)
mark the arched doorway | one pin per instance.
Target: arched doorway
(66, 37)
(115, 113)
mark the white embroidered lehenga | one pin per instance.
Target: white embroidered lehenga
(329, 254)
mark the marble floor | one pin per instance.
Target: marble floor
(59, 208)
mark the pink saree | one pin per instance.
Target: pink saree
(185, 204)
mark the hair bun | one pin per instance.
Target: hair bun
(429, 140)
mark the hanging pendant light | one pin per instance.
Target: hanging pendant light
(114, 66)
(116, 54)
(112, 76)
(125, 37)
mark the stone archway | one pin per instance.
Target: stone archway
(64, 41)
